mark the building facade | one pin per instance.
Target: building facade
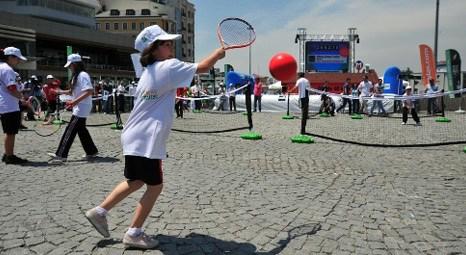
(44, 29)
(131, 16)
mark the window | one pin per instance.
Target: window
(125, 26)
(189, 40)
(141, 26)
(114, 12)
(107, 26)
(116, 26)
(130, 12)
(133, 26)
(145, 12)
(97, 26)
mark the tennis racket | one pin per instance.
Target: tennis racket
(235, 33)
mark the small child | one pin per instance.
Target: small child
(408, 105)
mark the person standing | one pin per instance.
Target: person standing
(365, 89)
(346, 96)
(232, 97)
(81, 91)
(257, 94)
(355, 98)
(121, 97)
(408, 106)
(432, 106)
(303, 91)
(50, 91)
(196, 93)
(10, 100)
(180, 93)
(378, 94)
(145, 134)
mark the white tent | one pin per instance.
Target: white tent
(275, 86)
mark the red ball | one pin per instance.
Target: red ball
(283, 66)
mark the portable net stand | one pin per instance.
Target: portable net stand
(57, 119)
(118, 125)
(303, 137)
(387, 128)
(288, 116)
(213, 114)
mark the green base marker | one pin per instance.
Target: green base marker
(288, 117)
(464, 149)
(442, 119)
(197, 111)
(302, 139)
(324, 114)
(245, 113)
(356, 117)
(58, 122)
(251, 136)
(116, 126)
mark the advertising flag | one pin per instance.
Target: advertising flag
(428, 66)
(453, 70)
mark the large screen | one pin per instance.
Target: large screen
(327, 56)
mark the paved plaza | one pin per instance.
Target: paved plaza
(224, 195)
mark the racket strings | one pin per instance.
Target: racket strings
(236, 32)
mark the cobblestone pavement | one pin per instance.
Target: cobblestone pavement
(224, 195)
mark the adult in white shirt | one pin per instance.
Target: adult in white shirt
(10, 99)
(365, 87)
(303, 91)
(146, 132)
(81, 91)
(432, 106)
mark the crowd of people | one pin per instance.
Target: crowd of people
(356, 97)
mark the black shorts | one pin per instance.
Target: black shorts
(51, 107)
(23, 108)
(144, 169)
(11, 122)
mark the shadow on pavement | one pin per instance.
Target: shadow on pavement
(194, 242)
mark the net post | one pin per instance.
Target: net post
(442, 102)
(304, 113)
(117, 125)
(57, 120)
(248, 105)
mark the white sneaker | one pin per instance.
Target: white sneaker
(89, 157)
(403, 123)
(51, 154)
(57, 161)
(98, 221)
(141, 241)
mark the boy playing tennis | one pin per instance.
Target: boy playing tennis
(146, 131)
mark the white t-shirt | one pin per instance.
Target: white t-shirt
(365, 88)
(83, 83)
(8, 103)
(303, 85)
(146, 131)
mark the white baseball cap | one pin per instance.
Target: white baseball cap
(151, 34)
(49, 76)
(72, 58)
(12, 51)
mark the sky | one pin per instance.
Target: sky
(390, 31)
